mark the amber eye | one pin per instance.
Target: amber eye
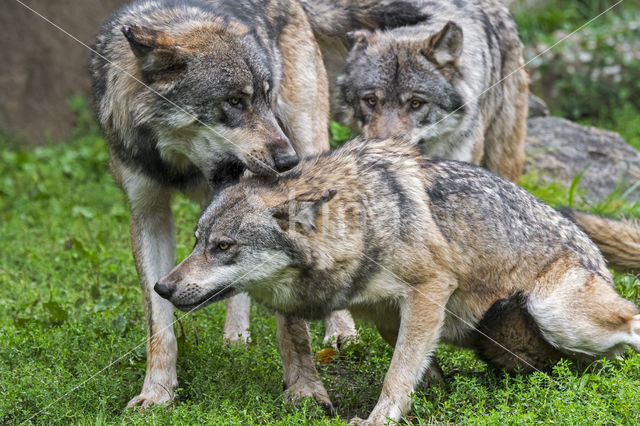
(234, 101)
(223, 246)
(371, 100)
(415, 104)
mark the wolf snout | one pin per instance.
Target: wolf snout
(286, 162)
(165, 289)
(284, 158)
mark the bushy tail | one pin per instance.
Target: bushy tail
(334, 18)
(618, 240)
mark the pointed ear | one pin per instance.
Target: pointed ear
(359, 38)
(445, 47)
(156, 50)
(301, 210)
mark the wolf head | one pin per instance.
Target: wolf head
(218, 89)
(244, 245)
(400, 82)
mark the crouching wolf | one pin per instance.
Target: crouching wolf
(429, 250)
(451, 76)
(190, 94)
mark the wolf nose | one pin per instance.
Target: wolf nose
(163, 289)
(286, 162)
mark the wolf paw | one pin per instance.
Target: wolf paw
(154, 394)
(341, 340)
(299, 390)
(241, 338)
(340, 330)
(361, 422)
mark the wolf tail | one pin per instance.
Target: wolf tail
(334, 18)
(618, 240)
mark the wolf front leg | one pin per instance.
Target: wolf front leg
(339, 329)
(422, 315)
(300, 377)
(236, 323)
(153, 244)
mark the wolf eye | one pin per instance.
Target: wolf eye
(415, 104)
(235, 101)
(371, 101)
(223, 246)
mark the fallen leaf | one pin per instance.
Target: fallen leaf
(324, 356)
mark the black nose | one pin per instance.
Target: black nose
(163, 289)
(286, 162)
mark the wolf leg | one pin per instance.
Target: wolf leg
(304, 116)
(579, 312)
(388, 326)
(340, 329)
(236, 323)
(504, 139)
(421, 318)
(300, 377)
(508, 338)
(153, 244)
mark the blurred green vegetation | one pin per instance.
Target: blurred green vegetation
(592, 77)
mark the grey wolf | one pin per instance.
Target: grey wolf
(450, 76)
(429, 250)
(190, 95)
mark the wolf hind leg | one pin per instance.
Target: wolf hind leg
(579, 312)
(508, 337)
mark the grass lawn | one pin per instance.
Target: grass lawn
(72, 327)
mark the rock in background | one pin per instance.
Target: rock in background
(559, 149)
(41, 67)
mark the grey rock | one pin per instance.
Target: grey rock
(559, 149)
(537, 107)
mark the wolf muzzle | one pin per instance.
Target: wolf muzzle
(165, 289)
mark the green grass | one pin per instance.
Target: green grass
(72, 328)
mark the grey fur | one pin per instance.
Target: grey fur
(427, 249)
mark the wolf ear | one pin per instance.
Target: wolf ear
(157, 50)
(301, 210)
(359, 38)
(445, 47)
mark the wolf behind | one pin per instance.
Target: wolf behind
(429, 250)
(190, 94)
(448, 74)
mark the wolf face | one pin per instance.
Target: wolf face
(396, 84)
(220, 88)
(242, 245)
(217, 92)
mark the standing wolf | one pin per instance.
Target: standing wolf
(429, 250)
(449, 74)
(222, 78)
